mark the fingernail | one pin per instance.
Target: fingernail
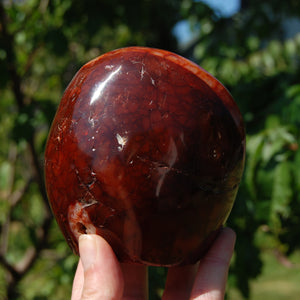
(87, 250)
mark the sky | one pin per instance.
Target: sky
(224, 8)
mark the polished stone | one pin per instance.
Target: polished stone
(146, 149)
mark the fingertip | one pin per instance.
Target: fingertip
(227, 237)
(229, 232)
(103, 276)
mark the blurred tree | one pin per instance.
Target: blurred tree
(42, 45)
(255, 56)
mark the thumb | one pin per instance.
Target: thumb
(103, 277)
(210, 282)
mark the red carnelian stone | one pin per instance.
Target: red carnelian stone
(146, 150)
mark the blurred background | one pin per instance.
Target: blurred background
(251, 46)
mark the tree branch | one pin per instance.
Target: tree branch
(39, 176)
(16, 196)
(32, 254)
(13, 272)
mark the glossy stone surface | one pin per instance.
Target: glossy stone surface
(147, 150)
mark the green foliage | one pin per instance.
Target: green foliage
(44, 43)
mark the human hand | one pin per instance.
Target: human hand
(99, 275)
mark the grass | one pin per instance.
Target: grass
(276, 282)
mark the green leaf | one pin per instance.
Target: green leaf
(282, 194)
(293, 91)
(275, 143)
(254, 150)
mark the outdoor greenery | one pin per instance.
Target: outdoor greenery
(255, 53)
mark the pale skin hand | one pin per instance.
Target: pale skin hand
(99, 275)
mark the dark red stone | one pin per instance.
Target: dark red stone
(147, 150)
